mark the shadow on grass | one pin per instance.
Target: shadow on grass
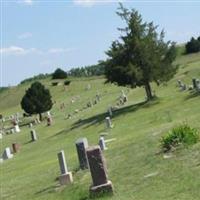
(49, 189)
(98, 119)
(192, 95)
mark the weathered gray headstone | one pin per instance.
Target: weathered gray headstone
(65, 177)
(33, 135)
(81, 146)
(108, 123)
(102, 144)
(7, 154)
(98, 171)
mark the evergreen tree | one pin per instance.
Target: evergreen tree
(141, 55)
(193, 45)
(59, 74)
(36, 100)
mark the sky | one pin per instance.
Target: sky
(40, 36)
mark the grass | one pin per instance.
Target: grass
(135, 166)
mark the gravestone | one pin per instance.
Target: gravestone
(33, 135)
(108, 123)
(102, 144)
(12, 130)
(17, 129)
(81, 146)
(16, 147)
(65, 177)
(1, 136)
(7, 154)
(30, 125)
(98, 171)
(194, 83)
(110, 111)
(49, 121)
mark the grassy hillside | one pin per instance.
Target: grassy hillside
(135, 166)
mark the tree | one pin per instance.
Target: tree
(36, 100)
(193, 45)
(140, 56)
(59, 74)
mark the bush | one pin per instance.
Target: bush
(54, 83)
(67, 82)
(182, 134)
(59, 74)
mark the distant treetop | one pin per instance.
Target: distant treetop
(193, 46)
(59, 74)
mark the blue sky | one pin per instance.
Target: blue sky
(39, 36)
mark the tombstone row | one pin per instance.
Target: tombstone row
(195, 85)
(89, 158)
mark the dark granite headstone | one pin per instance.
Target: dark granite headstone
(81, 145)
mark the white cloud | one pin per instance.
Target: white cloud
(18, 51)
(89, 3)
(25, 35)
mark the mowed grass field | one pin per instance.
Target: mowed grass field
(135, 165)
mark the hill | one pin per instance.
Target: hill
(135, 166)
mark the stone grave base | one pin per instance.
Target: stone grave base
(101, 189)
(65, 179)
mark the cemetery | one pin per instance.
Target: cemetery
(128, 136)
(102, 139)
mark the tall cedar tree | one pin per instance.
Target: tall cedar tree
(36, 100)
(141, 55)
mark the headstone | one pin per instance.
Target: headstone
(81, 146)
(17, 129)
(33, 135)
(1, 136)
(7, 154)
(12, 130)
(30, 125)
(16, 147)
(65, 177)
(110, 111)
(49, 121)
(194, 83)
(102, 144)
(98, 171)
(108, 123)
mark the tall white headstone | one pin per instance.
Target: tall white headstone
(7, 154)
(17, 129)
(65, 177)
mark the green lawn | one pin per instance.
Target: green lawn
(135, 166)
